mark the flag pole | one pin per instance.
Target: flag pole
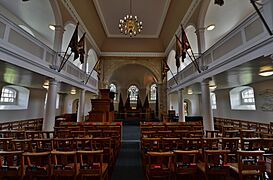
(170, 71)
(63, 59)
(194, 63)
(91, 72)
(262, 18)
(64, 62)
(74, 47)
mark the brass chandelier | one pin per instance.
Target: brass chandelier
(130, 24)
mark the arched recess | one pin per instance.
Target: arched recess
(140, 75)
(92, 58)
(171, 64)
(75, 105)
(187, 107)
(111, 68)
(57, 12)
(224, 17)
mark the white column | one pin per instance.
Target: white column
(57, 46)
(80, 114)
(181, 106)
(206, 106)
(50, 109)
(200, 34)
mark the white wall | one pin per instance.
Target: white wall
(194, 108)
(68, 101)
(34, 110)
(224, 110)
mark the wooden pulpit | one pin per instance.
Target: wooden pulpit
(101, 108)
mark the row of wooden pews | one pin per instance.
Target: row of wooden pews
(72, 149)
(168, 154)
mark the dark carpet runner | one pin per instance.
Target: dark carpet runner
(128, 165)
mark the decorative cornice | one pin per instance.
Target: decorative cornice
(133, 54)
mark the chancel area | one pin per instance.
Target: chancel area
(136, 89)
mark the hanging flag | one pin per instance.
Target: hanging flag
(146, 103)
(81, 48)
(139, 104)
(165, 69)
(185, 44)
(120, 104)
(127, 103)
(178, 51)
(73, 44)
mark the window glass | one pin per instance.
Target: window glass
(8, 95)
(153, 92)
(133, 92)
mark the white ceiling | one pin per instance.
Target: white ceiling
(151, 12)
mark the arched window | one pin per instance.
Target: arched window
(242, 98)
(8, 96)
(153, 90)
(247, 96)
(133, 92)
(213, 100)
(113, 88)
(14, 97)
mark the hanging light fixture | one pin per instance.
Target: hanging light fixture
(130, 24)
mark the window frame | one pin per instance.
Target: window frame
(15, 102)
(137, 93)
(113, 85)
(155, 86)
(242, 98)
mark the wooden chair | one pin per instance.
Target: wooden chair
(212, 133)
(77, 134)
(63, 144)
(5, 144)
(215, 163)
(83, 143)
(251, 144)
(11, 164)
(250, 163)
(64, 164)
(92, 165)
(231, 133)
(22, 145)
(42, 145)
(231, 144)
(169, 144)
(37, 164)
(105, 144)
(185, 163)
(94, 133)
(267, 146)
(159, 165)
(192, 143)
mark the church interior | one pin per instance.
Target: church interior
(136, 89)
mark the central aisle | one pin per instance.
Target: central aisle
(129, 165)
